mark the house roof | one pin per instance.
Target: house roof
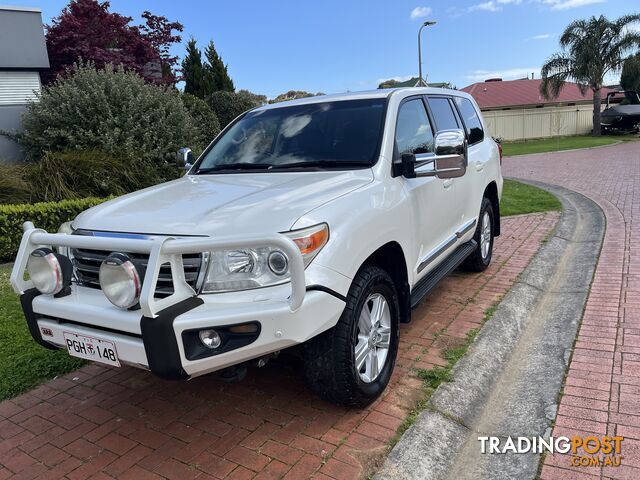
(22, 42)
(512, 93)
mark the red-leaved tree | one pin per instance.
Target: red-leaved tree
(87, 31)
(159, 32)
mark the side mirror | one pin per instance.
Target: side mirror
(185, 158)
(407, 165)
(449, 160)
(451, 154)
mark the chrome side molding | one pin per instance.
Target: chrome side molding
(444, 246)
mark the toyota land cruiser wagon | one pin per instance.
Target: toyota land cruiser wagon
(321, 221)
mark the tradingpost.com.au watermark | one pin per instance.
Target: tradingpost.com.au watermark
(589, 451)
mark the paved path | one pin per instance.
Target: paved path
(602, 388)
(124, 423)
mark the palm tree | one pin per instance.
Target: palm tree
(590, 50)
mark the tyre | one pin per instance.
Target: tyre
(480, 259)
(351, 363)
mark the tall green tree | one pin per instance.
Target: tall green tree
(630, 77)
(591, 49)
(193, 71)
(217, 70)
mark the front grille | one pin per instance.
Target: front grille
(87, 266)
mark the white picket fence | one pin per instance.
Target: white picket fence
(545, 122)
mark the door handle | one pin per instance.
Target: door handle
(479, 166)
(447, 183)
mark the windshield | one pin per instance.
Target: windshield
(341, 134)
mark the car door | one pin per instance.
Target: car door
(429, 197)
(446, 117)
(472, 184)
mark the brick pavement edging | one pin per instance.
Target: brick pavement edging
(100, 422)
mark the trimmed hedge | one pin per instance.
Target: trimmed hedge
(47, 215)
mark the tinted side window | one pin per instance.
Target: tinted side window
(442, 113)
(413, 130)
(470, 119)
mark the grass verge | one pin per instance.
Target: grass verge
(23, 363)
(433, 377)
(543, 145)
(519, 198)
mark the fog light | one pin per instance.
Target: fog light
(50, 272)
(278, 262)
(210, 338)
(120, 280)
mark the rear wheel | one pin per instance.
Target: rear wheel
(480, 259)
(351, 363)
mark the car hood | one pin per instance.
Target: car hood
(222, 204)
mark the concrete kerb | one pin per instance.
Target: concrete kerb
(509, 381)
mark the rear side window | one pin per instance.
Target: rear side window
(413, 130)
(443, 115)
(471, 120)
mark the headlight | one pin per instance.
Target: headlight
(120, 280)
(245, 268)
(49, 271)
(65, 229)
(248, 268)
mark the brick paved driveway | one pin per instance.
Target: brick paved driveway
(124, 423)
(602, 390)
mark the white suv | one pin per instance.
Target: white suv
(320, 221)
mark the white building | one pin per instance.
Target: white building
(23, 55)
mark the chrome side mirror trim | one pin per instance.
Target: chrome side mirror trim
(450, 158)
(185, 158)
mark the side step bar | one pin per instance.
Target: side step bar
(431, 280)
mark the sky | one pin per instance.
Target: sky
(335, 46)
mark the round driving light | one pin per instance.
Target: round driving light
(278, 262)
(45, 271)
(210, 338)
(120, 280)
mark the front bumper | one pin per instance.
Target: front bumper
(157, 344)
(157, 335)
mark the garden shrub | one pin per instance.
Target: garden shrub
(84, 173)
(228, 105)
(109, 110)
(14, 188)
(49, 216)
(205, 122)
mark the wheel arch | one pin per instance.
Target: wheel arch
(491, 192)
(390, 257)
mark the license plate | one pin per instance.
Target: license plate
(91, 348)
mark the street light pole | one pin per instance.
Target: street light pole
(421, 81)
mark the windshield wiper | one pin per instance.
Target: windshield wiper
(320, 164)
(235, 166)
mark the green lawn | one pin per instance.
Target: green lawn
(23, 363)
(519, 198)
(554, 144)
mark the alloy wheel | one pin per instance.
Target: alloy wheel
(374, 336)
(485, 235)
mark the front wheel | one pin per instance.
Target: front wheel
(351, 363)
(480, 259)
